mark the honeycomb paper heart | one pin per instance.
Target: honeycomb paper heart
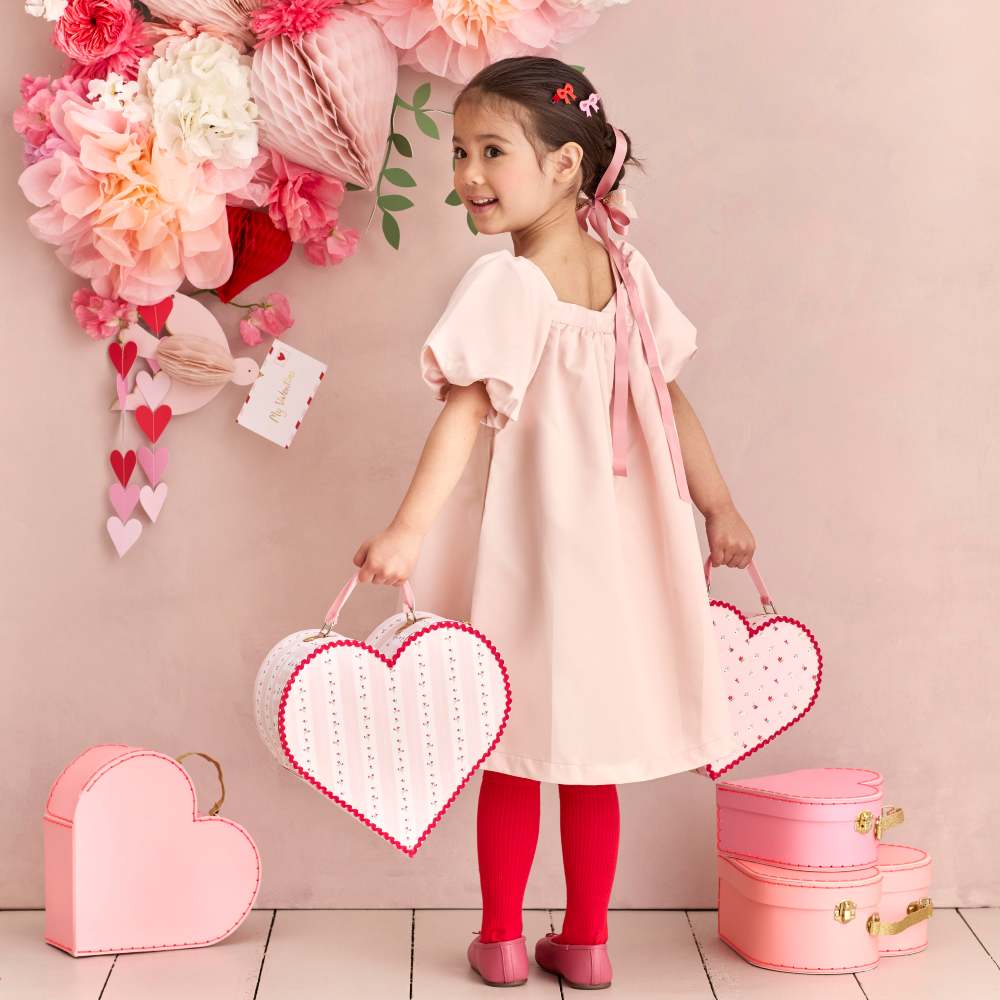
(325, 99)
(391, 729)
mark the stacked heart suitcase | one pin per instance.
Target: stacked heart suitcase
(806, 883)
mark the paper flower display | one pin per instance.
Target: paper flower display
(228, 18)
(325, 98)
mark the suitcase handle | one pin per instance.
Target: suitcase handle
(330, 619)
(218, 767)
(921, 909)
(758, 582)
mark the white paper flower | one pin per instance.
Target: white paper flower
(51, 10)
(118, 94)
(202, 108)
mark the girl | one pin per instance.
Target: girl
(566, 530)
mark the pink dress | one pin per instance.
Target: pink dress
(590, 584)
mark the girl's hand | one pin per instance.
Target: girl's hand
(388, 557)
(729, 539)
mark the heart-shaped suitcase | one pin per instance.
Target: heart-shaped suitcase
(391, 728)
(772, 668)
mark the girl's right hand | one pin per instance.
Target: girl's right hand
(389, 556)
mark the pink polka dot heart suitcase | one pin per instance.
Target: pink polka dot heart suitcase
(391, 728)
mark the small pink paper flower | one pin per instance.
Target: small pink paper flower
(272, 316)
(91, 30)
(302, 201)
(32, 121)
(291, 17)
(334, 249)
(100, 317)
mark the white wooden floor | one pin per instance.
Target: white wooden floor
(328, 954)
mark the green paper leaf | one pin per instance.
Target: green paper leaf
(421, 95)
(394, 202)
(402, 144)
(426, 124)
(454, 198)
(472, 225)
(353, 187)
(398, 176)
(390, 228)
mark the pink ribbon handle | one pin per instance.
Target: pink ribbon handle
(409, 601)
(758, 582)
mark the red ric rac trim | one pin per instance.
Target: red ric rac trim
(390, 663)
(751, 632)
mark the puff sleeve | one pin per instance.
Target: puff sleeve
(675, 335)
(493, 330)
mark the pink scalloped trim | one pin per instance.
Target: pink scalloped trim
(94, 778)
(751, 632)
(390, 663)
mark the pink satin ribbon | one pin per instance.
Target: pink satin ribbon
(604, 214)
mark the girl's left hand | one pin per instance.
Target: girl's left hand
(730, 540)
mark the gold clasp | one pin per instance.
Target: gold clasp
(322, 633)
(865, 821)
(845, 911)
(922, 909)
(891, 816)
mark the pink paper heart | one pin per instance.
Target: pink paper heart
(772, 672)
(125, 535)
(152, 500)
(123, 499)
(153, 388)
(121, 387)
(154, 463)
(160, 873)
(399, 724)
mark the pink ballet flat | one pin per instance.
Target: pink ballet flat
(500, 963)
(582, 966)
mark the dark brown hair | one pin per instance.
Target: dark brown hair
(524, 86)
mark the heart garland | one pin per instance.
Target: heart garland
(152, 417)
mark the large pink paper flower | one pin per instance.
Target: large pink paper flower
(91, 30)
(135, 43)
(457, 38)
(134, 219)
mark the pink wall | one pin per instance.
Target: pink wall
(822, 200)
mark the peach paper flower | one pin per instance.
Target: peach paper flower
(134, 219)
(457, 38)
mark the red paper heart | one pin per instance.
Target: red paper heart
(123, 357)
(156, 316)
(123, 465)
(153, 424)
(281, 356)
(259, 248)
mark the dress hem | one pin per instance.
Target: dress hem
(559, 772)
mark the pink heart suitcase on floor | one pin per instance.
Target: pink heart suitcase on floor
(131, 865)
(825, 921)
(828, 818)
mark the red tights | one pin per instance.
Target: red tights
(507, 833)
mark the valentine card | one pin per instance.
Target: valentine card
(277, 401)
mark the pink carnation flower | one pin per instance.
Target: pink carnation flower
(302, 201)
(272, 316)
(101, 317)
(132, 218)
(293, 18)
(457, 38)
(334, 249)
(91, 30)
(32, 121)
